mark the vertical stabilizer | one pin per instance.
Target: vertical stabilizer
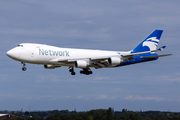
(150, 43)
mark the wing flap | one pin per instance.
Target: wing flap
(95, 66)
(99, 64)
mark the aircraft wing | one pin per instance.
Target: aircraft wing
(96, 62)
(91, 59)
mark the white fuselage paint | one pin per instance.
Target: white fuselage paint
(45, 54)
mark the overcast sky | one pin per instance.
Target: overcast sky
(95, 24)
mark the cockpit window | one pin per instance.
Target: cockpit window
(20, 45)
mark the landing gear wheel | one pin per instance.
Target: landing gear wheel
(72, 71)
(90, 72)
(81, 72)
(86, 71)
(24, 68)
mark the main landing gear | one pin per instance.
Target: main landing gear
(71, 69)
(24, 68)
(86, 71)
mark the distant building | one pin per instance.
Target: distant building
(6, 116)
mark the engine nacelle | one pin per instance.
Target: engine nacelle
(49, 66)
(114, 61)
(80, 64)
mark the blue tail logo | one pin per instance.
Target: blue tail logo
(150, 43)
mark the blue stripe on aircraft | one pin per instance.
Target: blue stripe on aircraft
(138, 59)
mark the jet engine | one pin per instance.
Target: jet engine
(114, 61)
(49, 66)
(80, 64)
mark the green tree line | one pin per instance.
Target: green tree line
(99, 114)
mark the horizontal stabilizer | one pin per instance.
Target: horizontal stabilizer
(162, 48)
(150, 57)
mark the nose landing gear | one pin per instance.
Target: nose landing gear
(24, 68)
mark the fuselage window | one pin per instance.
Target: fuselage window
(20, 45)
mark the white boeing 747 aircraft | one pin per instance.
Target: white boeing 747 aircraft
(52, 57)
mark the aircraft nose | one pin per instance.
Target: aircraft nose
(9, 53)
(12, 53)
